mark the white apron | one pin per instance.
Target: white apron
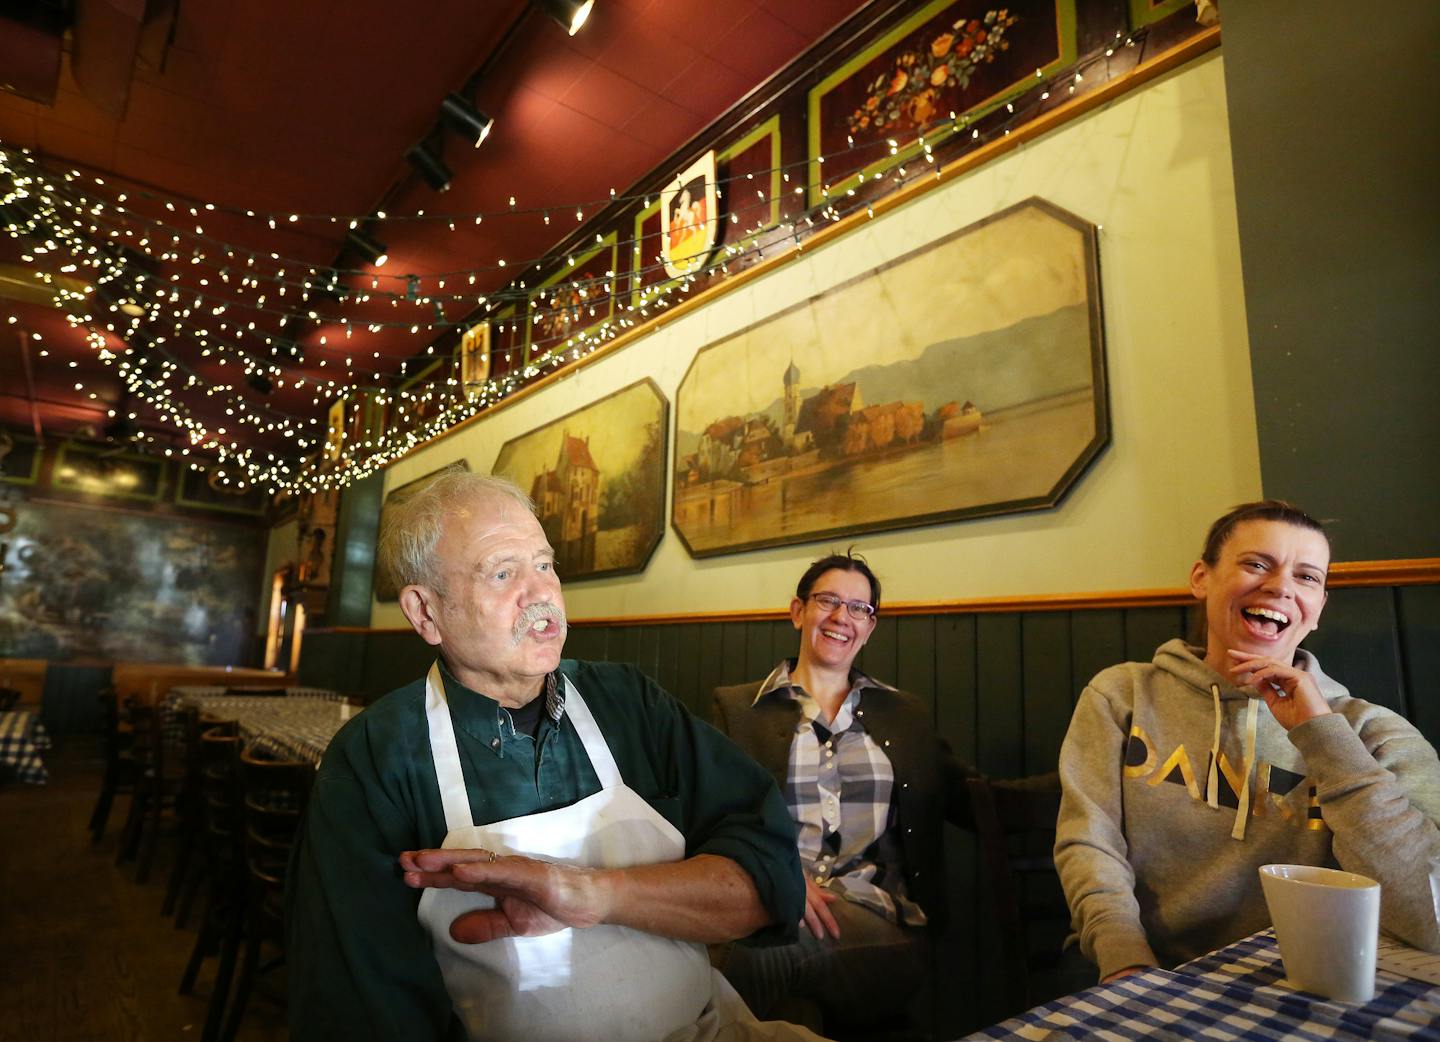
(605, 982)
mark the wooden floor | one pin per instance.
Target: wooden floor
(84, 951)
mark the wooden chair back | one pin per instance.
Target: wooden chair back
(275, 792)
(117, 737)
(1015, 824)
(147, 736)
(121, 771)
(219, 750)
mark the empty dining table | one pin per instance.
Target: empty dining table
(297, 728)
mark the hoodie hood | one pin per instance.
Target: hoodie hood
(1185, 663)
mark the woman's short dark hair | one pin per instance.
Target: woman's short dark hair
(849, 561)
(1259, 510)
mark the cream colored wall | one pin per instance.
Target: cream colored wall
(1153, 171)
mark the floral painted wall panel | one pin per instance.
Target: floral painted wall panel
(128, 587)
(951, 62)
(1146, 12)
(571, 301)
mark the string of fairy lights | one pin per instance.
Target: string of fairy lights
(164, 298)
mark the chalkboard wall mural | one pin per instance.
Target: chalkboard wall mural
(127, 587)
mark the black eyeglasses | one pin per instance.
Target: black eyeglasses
(857, 610)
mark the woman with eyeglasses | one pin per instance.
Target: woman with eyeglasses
(869, 786)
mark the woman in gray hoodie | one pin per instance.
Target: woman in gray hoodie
(1185, 774)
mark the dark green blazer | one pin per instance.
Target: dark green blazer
(930, 785)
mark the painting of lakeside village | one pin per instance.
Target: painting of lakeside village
(597, 477)
(965, 379)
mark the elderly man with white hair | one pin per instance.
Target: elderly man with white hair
(520, 847)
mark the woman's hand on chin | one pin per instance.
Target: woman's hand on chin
(1290, 692)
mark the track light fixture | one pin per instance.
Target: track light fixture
(571, 14)
(464, 118)
(430, 167)
(371, 249)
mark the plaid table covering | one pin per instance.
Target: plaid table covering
(297, 728)
(22, 740)
(187, 691)
(1237, 993)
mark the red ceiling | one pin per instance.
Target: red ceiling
(310, 107)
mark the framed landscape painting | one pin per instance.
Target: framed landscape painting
(101, 471)
(597, 477)
(964, 379)
(384, 584)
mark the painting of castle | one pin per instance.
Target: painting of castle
(597, 477)
(964, 379)
(566, 500)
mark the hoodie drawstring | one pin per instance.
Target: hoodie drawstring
(1252, 716)
(1212, 777)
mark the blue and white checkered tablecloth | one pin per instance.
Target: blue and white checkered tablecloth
(22, 740)
(1238, 993)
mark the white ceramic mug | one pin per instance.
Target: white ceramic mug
(1328, 925)
(1435, 884)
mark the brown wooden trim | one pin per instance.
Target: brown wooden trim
(1420, 571)
(1162, 63)
(1343, 574)
(976, 606)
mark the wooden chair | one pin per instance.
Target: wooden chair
(224, 870)
(200, 864)
(190, 809)
(275, 792)
(121, 770)
(1015, 824)
(160, 776)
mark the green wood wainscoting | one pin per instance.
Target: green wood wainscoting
(1001, 676)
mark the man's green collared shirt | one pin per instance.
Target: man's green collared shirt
(359, 964)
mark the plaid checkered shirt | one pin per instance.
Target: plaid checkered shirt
(838, 787)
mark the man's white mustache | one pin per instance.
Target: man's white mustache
(533, 614)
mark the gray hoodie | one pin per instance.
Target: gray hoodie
(1179, 786)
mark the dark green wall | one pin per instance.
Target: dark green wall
(1002, 687)
(355, 532)
(1002, 684)
(1335, 133)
